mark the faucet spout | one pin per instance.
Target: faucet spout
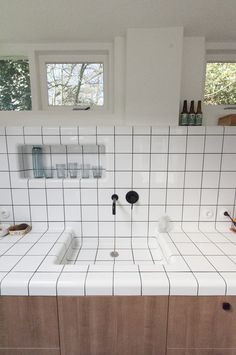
(114, 198)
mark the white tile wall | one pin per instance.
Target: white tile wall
(184, 172)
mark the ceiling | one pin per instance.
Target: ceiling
(101, 20)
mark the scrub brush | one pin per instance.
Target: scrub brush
(233, 228)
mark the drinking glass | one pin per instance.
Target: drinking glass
(61, 171)
(48, 173)
(97, 172)
(73, 170)
(85, 171)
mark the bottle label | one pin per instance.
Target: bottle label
(198, 119)
(191, 119)
(183, 119)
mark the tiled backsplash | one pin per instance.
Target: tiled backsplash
(188, 173)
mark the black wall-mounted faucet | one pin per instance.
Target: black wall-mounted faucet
(114, 198)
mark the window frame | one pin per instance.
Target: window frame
(80, 57)
(216, 56)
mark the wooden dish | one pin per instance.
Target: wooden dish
(20, 229)
(229, 120)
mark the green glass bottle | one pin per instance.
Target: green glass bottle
(191, 115)
(183, 118)
(199, 114)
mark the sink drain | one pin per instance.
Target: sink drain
(114, 254)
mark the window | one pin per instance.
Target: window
(220, 83)
(73, 84)
(70, 81)
(15, 92)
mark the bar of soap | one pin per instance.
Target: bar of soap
(4, 229)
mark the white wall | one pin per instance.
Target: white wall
(39, 117)
(148, 96)
(153, 77)
(193, 68)
(146, 80)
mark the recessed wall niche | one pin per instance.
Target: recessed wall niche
(62, 161)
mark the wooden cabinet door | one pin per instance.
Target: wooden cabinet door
(28, 322)
(201, 352)
(201, 322)
(29, 352)
(97, 325)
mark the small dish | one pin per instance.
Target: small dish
(20, 229)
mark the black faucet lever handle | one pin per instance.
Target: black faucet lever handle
(114, 198)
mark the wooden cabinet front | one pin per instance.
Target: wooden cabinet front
(201, 352)
(118, 325)
(113, 325)
(28, 322)
(201, 322)
(29, 352)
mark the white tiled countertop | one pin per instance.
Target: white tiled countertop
(205, 264)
